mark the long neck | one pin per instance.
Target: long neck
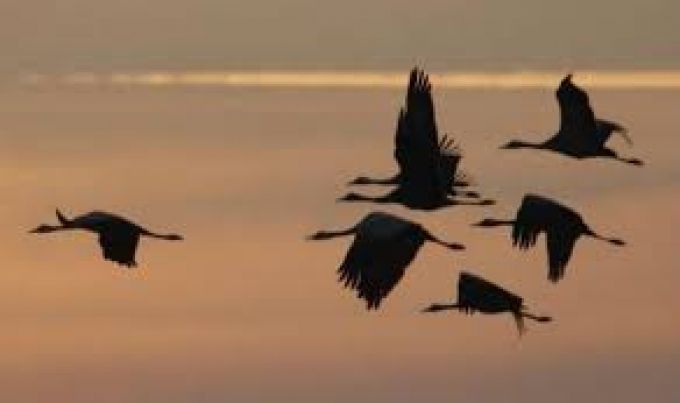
(482, 202)
(470, 194)
(322, 235)
(441, 307)
(167, 237)
(450, 245)
(356, 197)
(363, 180)
(55, 228)
(492, 222)
(526, 144)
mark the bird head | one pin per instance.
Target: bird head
(488, 222)
(435, 308)
(514, 144)
(351, 196)
(616, 241)
(360, 180)
(454, 246)
(319, 236)
(44, 228)
(634, 161)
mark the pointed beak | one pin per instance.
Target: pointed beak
(617, 242)
(313, 237)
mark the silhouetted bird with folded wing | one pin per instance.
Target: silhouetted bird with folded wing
(118, 237)
(478, 294)
(562, 226)
(581, 135)
(428, 165)
(384, 245)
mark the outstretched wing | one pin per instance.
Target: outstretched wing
(448, 162)
(560, 244)
(483, 295)
(577, 119)
(534, 215)
(405, 143)
(420, 111)
(119, 245)
(562, 226)
(374, 265)
(418, 150)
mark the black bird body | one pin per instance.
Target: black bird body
(118, 236)
(562, 226)
(428, 165)
(384, 246)
(476, 294)
(581, 134)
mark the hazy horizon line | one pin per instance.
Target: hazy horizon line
(526, 79)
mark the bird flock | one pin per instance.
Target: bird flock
(428, 178)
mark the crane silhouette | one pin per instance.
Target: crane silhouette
(478, 294)
(428, 165)
(384, 245)
(562, 225)
(580, 135)
(118, 237)
(450, 156)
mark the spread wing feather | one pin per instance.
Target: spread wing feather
(560, 247)
(119, 245)
(534, 215)
(578, 126)
(420, 153)
(562, 226)
(577, 119)
(373, 266)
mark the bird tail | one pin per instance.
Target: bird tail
(450, 245)
(62, 218)
(519, 321)
(623, 132)
(611, 240)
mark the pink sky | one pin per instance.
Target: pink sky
(245, 310)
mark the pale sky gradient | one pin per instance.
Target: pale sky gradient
(247, 311)
(618, 80)
(84, 35)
